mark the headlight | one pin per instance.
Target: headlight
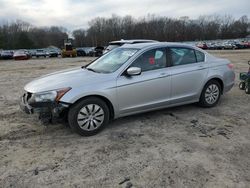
(50, 96)
(45, 96)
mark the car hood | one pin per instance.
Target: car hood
(67, 78)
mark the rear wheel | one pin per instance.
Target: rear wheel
(89, 116)
(210, 94)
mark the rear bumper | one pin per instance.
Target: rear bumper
(53, 55)
(228, 87)
(41, 55)
(21, 57)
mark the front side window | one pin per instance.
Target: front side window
(112, 61)
(151, 60)
(182, 56)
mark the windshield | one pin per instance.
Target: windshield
(112, 61)
(20, 52)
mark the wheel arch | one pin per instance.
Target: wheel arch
(105, 99)
(219, 80)
(202, 95)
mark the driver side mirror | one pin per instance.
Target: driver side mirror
(133, 71)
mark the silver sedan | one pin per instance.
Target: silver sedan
(128, 80)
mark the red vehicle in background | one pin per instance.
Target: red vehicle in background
(21, 55)
(202, 45)
(246, 44)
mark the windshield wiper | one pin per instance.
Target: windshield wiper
(90, 69)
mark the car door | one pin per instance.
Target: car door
(188, 73)
(150, 89)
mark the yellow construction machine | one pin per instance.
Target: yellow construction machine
(68, 50)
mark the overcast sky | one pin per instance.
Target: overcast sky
(74, 14)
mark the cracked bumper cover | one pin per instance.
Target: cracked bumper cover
(31, 107)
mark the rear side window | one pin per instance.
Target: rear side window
(151, 60)
(182, 56)
(200, 56)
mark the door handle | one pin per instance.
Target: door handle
(164, 74)
(201, 67)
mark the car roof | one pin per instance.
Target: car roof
(157, 44)
(6, 51)
(132, 41)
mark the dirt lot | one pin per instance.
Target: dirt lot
(186, 146)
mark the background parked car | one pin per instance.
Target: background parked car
(32, 52)
(223, 44)
(115, 44)
(6, 54)
(219, 46)
(53, 53)
(80, 52)
(229, 46)
(238, 44)
(41, 53)
(88, 50)
(99, 51)
(21, 55)
(246, 44)
(202, 45)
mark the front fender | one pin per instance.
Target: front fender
(107, 91)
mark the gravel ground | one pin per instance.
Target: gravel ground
(185, 146)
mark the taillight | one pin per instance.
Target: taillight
(230, 65)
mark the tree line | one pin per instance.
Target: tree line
(21, 34)
(103, 30)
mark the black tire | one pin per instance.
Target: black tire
(203, 102)
(247, 89)
(242, 85)
(74, 114)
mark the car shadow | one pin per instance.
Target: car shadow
(152, 115)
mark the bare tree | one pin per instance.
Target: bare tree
(21, 34)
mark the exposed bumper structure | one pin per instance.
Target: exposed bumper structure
(44, 109)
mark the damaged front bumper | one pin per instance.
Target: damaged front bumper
(50, 109)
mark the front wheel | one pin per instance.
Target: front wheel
(210, 94)
(89, 116)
